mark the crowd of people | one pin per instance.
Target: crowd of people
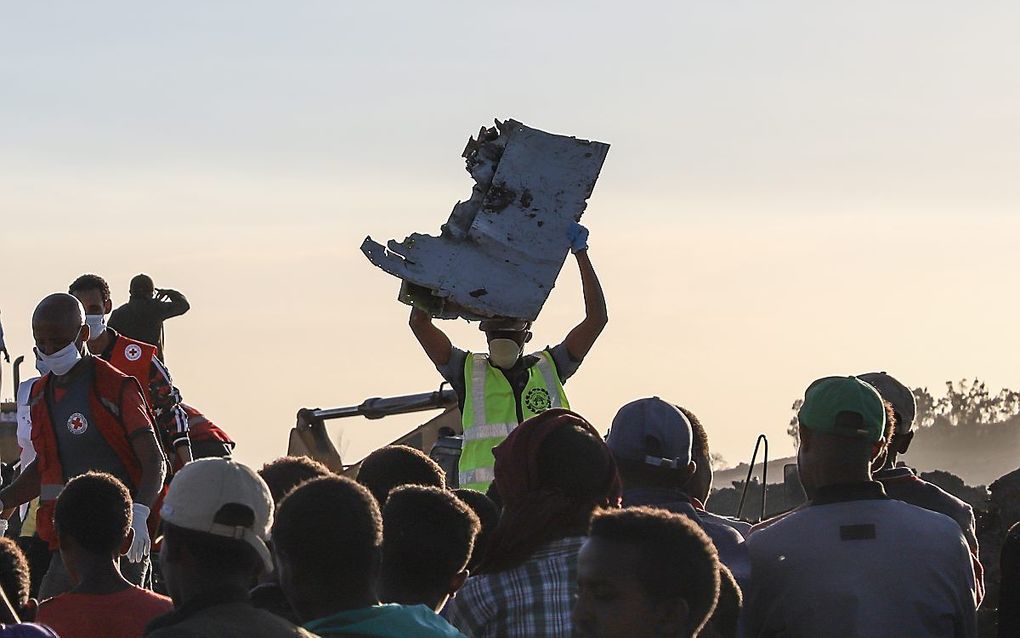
(552, 526)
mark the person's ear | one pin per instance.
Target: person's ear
(85, 333)
(672, 618)
(29, 611)
(904, 443)
(692, 468)
(457, 582)
(126, 545)
(107, 306)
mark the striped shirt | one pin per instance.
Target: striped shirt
(532, 599)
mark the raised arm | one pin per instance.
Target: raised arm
(175, 305)
(433, 340)
(580, 340)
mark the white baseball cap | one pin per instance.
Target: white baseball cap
(200, 490)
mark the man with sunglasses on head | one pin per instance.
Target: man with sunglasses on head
(500, 389)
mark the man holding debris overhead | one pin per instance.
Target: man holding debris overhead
(499, 390)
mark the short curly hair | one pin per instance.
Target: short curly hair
(14, 574)
(90, 282)
(396, 465)
(95, 510)
(678, 561)
(286, 473)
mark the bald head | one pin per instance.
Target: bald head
(58, 320)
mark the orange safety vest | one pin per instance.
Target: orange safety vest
(134, 358)
(105, 399)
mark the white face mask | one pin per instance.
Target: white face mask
(60, 362)
(503, 353)
(97, 325)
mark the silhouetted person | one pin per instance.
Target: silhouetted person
(651, 441)
(217, 515)
(283, 475)
(552, 473)
(93, 520)
(903, 484)
(699, 486)
(147, 308)
(488, 517)
(854, 562)
(327, 541)
(1009, 592)
(725, 620)
(396, 465)
(3, 346)
(428, 535)
(645, 573)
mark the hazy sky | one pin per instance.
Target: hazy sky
(794, 189)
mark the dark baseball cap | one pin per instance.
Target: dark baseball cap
(902, 399)
(651, 431)
(845, 406)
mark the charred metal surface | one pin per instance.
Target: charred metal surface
(500, 251)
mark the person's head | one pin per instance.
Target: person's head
(651, 442)
(645, 572)
(141, 287)
(286, 473)
(842, 426)
(700, 484)
(94, 294)
(60, 333)
(506, 339)
(327, 540)
(428, 536)
(724, 620)
(15, 578)
(92, 517)
(904, 407)
(488, 517)
(552, 472)
(216, 515)
(396, 465)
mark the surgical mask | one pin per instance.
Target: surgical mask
(97, 325)
(60, 362)
(503, 353)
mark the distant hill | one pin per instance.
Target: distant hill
(978, 454)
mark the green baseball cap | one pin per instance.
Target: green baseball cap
(844, 406)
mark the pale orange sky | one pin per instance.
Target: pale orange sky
(792, 191)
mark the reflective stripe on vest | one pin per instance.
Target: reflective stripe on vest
(490, 411)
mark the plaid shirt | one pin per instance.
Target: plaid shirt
(532, 599)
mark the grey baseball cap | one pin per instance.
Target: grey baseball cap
(899, 395)
(651, 431)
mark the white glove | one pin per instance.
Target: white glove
(140, 544)
(3, 526)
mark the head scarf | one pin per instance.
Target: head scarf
(533, 513)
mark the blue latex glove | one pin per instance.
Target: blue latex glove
(577, 235)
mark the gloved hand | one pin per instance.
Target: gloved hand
(577, 235)
(3, 526)
(140, 544)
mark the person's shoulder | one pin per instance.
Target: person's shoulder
(149, 599)
(26, 630)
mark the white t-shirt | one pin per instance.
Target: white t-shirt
(25, 428)
(874, 567)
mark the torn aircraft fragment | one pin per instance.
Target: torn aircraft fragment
(499, 253)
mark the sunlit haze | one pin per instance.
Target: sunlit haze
(794, 189)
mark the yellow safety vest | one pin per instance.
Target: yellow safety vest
(490, 411)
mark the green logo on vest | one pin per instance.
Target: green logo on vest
(537, 400)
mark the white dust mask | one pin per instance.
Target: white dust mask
(97, 325)
(61, 361)
(503, 353)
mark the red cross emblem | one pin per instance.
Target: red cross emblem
(132, 352)
(77, 423)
